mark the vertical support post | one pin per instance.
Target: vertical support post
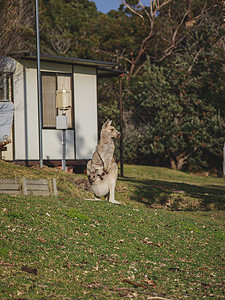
(39, 84)
(24, 186)
(64, 150)
(54, 187)
(121, 129)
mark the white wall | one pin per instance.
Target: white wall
(25, 115)
(85, 110)
(31, 116)
(52, 144)
(19, 125)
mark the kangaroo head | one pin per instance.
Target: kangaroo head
(110, 130)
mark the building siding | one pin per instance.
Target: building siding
(82, 141)
(85, 93)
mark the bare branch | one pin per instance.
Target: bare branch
(155, 7)
(139, 68)
(117, 56)
(59, 41)
(178, 27)
(15, 19)
(195, 58)
(131, 9)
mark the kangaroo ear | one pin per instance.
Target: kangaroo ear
(107, 123)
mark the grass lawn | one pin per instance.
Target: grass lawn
(166, 241)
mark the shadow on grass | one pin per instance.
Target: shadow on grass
(177, 195)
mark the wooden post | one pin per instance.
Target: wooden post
(24, 186)
(121, 128)
(52, 187)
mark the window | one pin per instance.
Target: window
(5, 87)
(50, 83)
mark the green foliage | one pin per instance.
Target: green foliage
(174, 109)
(67, 27)
(173, 128)
(108, 101)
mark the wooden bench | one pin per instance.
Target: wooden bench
(24, 186)
(10, 186)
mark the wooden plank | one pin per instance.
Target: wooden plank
(39, 193)
(13, 192)
(37, 187)
(9, 186)
(37, 181)
(8, 180)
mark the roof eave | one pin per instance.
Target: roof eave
(106, 72)
(70, 60)
(104, 69)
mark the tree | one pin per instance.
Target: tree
(66, 27)
(165, 23)
(170, 130)
(16, 21)
(148, 17)
(176, 106)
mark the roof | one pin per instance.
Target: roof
(104, 69)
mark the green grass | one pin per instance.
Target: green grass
(174, 190)
(66, 247)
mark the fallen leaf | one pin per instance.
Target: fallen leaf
(29, 270)
(5, 264)
(174, 269)
(150, 282)
(135, 284)
(19, 293)
(205, 284)
(41, 240)
(150, 242)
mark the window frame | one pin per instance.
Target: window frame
(6, 85)
(56, 74)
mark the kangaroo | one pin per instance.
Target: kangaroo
(102, 170)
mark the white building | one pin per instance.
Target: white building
(20, 87)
